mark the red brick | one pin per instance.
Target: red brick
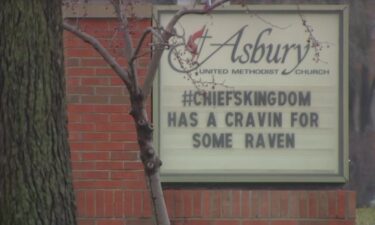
(110, 91)
(255, 222)
(312, 204)
(128, 203)
(98, 184)
(81, 203)
(74, 118)
(197, 203)
(331, 204)
(73, 82)
(81, 221)
(126, 175)
(95, 156)
(284, 222)
(254, 211)
(293, 211)
(226, 204)
(110, 222)
(124, 99)
(76, 108)
(81, 126)
(118, 203)
(113, 127)
(73, 99)
(237, 203)
(77, 166)
(137, 204)
(95, 100)
(227, 222)
(105, 72)
(95, 81)
(75, 156)
(95, 136)
(114, 45)
(264, 204)
(275, 204)
(75, 137)
(188, 203)
(216, 203)
(170, 202)
(80, 72)
(351, 202)
(341, 204)
(110, 146)
(116, 81)
(111, 109)
(341, 222)
(110, 165)
(82, 146)
(94, 62)
(303, 204)
(97, 118)
(72, 62)
(115, 25)
(133, 166)
(108, 203)
(140, 221)
(245, 204)
(131, 146)
(323, 204)
(124, 136)
(313, 222)
(81, 90)
(91, 175)
(284, 204)
(101, 34)
(120, 155)
(179, 204)
(206, 200)
(135, 185)
(94, 24)
(147, 207)
(75, 42)
(81, 52)
(90, 203)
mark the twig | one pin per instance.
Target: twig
(166, 35)
(102, 51)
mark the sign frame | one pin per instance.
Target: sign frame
(342, 175)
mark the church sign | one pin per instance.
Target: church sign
(254, 94)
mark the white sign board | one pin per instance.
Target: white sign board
(254, 94)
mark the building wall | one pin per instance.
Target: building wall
(108, 176)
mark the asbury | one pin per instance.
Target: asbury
(242, 51)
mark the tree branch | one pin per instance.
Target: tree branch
(118, 5)
(102, 51)
(142, 39)
(166, 35)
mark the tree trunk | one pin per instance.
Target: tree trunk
(150, 159)
(35, 174)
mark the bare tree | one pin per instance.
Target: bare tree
(139, 93)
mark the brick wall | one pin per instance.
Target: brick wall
(108, 176)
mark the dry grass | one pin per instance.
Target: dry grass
(365, 216)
